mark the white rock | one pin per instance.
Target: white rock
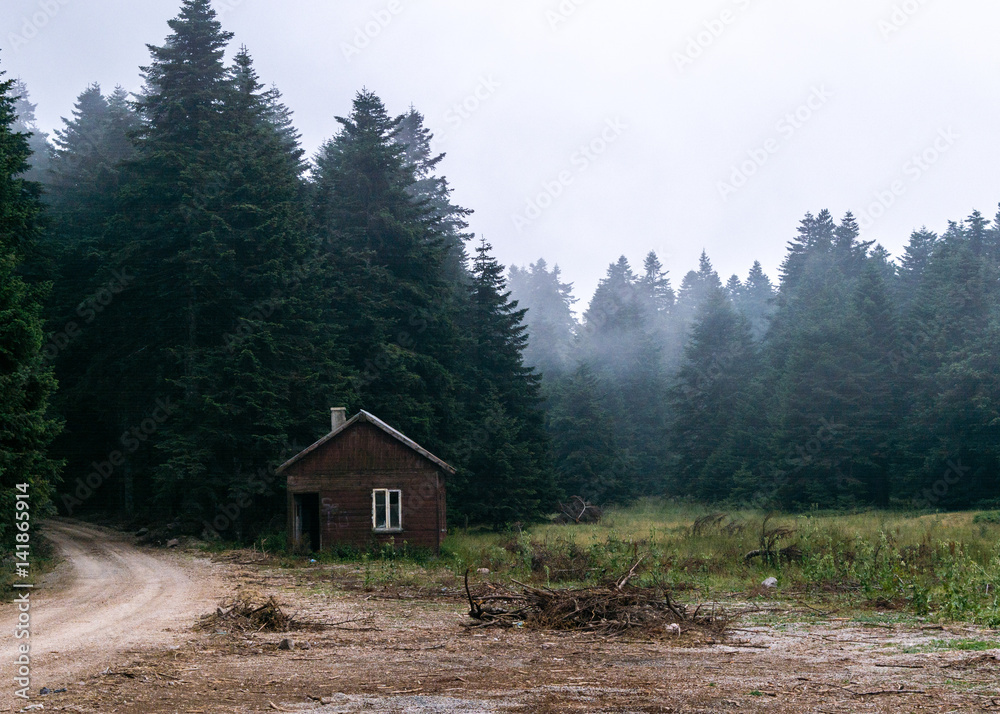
(771, 582)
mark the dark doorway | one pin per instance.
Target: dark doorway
(306, 533)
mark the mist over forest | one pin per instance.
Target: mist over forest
(185, 295)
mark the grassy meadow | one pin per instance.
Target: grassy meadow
(939, 567)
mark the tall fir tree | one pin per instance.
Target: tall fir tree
(507, 476)
(590, 461)
(256, 388)
(621, 343)
(948, 361)
(433, 190)
(550, 320)
(164, 237)
(83, 188)
(389, 279)
(756, 300)
(26, 380)
(710, 392)
(697, 287)
(25, 122)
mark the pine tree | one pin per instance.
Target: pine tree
(734, 288)
(389, 280)
(621, 344)
(850, 252)
(757, 300)
(615, 313)
(26, 381)
(816, 234)
(258, 385)
(948, 360)
(165, 235)
(550, 321)
(711, 389)
(590, 461)
(434, 190)
(655, 286)
(507, 476)
(869, 390)
(697, 287)
(90, 149)
(84, 185)
(26, 123)
(914, 262)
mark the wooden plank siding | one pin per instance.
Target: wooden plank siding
(345, 470)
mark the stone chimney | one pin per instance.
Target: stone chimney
(338, 417)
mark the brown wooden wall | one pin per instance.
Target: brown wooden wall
(344, 471)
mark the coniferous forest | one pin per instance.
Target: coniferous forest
(184, 294)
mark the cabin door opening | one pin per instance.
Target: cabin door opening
(306, 525)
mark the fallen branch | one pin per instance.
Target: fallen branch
(628, 576)
(888, 691)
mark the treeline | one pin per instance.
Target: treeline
(855, 382)
(209, 294)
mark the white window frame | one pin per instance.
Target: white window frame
(386, 499)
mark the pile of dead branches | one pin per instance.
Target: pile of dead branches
(244, 614)
(617, 608)
(578, 510)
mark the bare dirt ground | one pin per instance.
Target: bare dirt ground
(407, 650)
(105, 599)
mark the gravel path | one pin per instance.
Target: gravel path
(106, 598)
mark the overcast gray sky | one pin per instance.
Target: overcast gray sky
(579, 130)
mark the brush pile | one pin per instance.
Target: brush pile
(244, 614)
(618, 608)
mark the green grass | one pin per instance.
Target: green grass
(954, 645)
(940, 566)
(877, 567)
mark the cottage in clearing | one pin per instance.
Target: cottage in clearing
(365, 482)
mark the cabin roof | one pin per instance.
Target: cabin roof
(366, 417)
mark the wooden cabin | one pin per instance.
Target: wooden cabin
(365, 483)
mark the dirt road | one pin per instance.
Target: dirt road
(107, 597)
